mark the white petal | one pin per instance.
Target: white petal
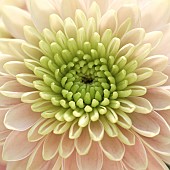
(148, 14)
(40, 13)
(15, 26)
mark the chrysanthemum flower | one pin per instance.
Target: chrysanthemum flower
(85, 85)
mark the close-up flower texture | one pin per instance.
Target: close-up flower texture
(84, 84)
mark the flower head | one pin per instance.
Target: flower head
(85, 85)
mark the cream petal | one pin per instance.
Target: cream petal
(69, 7)
(92, 160)
(17, 146)
(96, 130)
(111, 165)
(134, 36)
(163, 47)
(70, 163)
(40, 13)
(156, 62)
(142, 105)
(32, 35)
(144, 124)
(157, 79)
(148, 14)
(102, 4)
(112, 148)
(26, 79)
(154, 38)
(83, 143)
(50, 147)
(159, 98)
(12, 47)
(15, 67)
(36, 160)
(129, 11)
(135, 156)
(66, 146)
(14, 165)
(32, 51)
(154, 162)
(118, 4)
(23, 18)
(4, 59)
(20, 117)
(108, 21)
(140, 53)
(13, 89)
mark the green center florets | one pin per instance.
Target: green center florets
(85, 80)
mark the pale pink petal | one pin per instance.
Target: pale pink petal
(135, 156)
(92, 160)
(17, 146)
(17, 165)
(111, 165)
(4, 79)
(6, 101)
(164, 135)
(58, 164)
(40, 13)
(70, 163)
(4, 134)
(159, 98)
(167, 72)
(148, 14)
(23, 18)
(66, 146)
(112, 148)
(36, 160)
(20, 117)
(144, 124)
(3, 112)
(166, 115)
(50, 147)
(83, 143)
(33, 134)
(154, 162)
